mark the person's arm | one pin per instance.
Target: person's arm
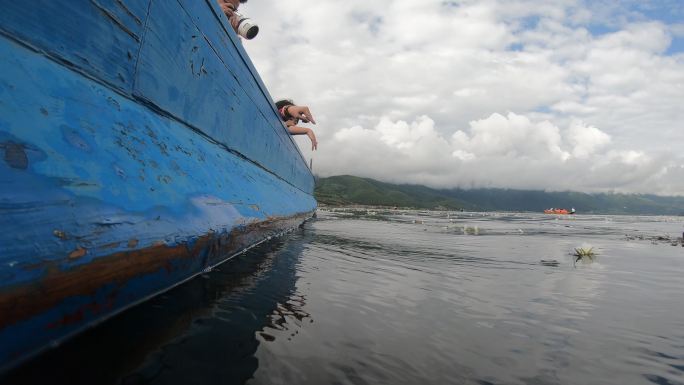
(296, 130)
(300, 112)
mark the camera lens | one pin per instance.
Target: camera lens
(252, 32)
(246, 28)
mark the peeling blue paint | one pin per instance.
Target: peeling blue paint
(128, 144)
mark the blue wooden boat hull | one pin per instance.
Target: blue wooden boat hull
(138, 148)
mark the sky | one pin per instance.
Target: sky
(525, 94)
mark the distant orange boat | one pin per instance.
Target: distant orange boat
(559, 211)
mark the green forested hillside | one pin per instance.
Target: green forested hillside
(342, 190)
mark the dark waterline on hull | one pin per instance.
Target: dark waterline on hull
(408, 297)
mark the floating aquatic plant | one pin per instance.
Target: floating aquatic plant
(584, 253)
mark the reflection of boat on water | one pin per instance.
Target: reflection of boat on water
(559, 211)
(138, 148)
(204, 331)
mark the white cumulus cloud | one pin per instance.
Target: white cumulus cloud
(505, 93)
(498, 151)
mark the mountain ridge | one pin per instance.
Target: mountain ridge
(347, 190)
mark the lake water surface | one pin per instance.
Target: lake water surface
(408, 297)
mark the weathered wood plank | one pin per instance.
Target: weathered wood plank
(103, 202)
(99, 37)
(180, 72)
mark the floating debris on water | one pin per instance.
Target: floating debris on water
(474, 230)
(656, 239)
(550, 262)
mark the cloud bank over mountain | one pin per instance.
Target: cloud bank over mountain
(517, 93)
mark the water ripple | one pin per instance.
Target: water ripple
(410, 297)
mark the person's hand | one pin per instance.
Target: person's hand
(234, 22)
(312, 136)
(297, 130)
(229, 7)
(301, 112)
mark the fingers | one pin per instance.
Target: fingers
(303, 113)
(307, 114)
(234, 22)
(227, 9)
(314, 142)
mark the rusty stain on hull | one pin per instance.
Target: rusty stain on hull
(21, 303)
(78, 253)
(112, 245)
